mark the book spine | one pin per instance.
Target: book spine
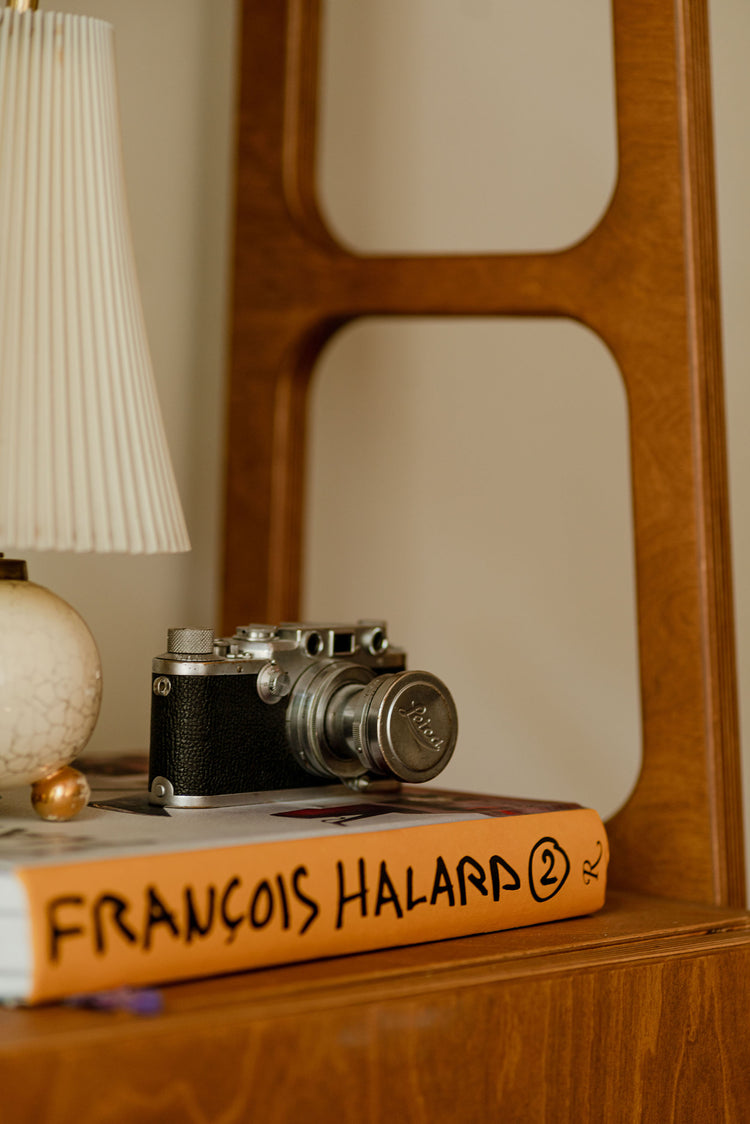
(151, 919)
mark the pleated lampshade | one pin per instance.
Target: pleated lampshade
(84, 463)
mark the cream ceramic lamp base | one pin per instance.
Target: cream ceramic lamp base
(50, 691)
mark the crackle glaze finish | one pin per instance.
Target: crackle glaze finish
(50, 683)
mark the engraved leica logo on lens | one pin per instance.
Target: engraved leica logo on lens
(421, 726)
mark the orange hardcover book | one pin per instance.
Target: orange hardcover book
(128, 894)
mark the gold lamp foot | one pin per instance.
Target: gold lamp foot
(61, 795)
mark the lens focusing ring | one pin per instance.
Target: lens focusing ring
(307, 728)
(344, 721)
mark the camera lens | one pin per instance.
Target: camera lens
(406, 725)
(308, 707)
(344, 721)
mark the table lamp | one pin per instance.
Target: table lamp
(84, 464)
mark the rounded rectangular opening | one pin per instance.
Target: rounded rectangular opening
(469, 482)
(465, 127)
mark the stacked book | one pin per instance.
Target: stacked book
(130, 894)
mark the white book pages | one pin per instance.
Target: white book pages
(15, 939)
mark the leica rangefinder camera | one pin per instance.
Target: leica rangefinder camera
(286, 707)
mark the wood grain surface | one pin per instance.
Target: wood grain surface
(631, 1015)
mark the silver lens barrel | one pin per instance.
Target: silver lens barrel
(343, 721)
(309, 704)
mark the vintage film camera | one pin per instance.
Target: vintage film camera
(291, 706)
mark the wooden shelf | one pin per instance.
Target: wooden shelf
(367, 1037)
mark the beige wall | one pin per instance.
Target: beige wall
(431, 146)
